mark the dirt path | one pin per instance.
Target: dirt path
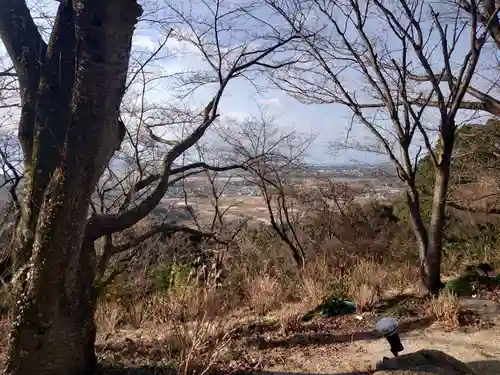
(480, 349)
(147, 346)
(346, 346)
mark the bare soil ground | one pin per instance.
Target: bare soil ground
(481, 349)
(341, 345)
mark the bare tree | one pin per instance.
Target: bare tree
(386, 45)
(487, 12)
(482, 100)
(474, 183)
(278, 158)
(70, 94)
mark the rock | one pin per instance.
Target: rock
(480, 306)
(423, 362)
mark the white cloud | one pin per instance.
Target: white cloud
(236, 116)
(271, 101)
(144, 42)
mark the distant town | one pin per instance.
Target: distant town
(194, 196)
(378, 182)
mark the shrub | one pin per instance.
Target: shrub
(263, 293)
(166, 276)
(445, 308)
(108, 316)
(365, 296)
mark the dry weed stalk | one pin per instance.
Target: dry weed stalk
(364, 283)
(138, 312)
(315, 282)
(291, 322)
(201, 344)
(202, 334)
(107, 317)
(365, 296)
(445, 308)
(263, 292)
(402, 278)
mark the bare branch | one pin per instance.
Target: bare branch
(246, 59)
(26, 49)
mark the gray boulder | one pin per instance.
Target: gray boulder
(423, 362)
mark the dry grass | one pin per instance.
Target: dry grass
(138, 313)
(445, 308)
(198, 345)
(364, 283)
(365, 296)
(179, 304)
(263, 293)
(315, 282)
(401, 279)
(191, 320)
(108, 316)
(291, 322)
(5, 326)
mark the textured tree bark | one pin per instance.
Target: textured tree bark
(420, 231)
(53, 330)
(429, 236)
(432, 269)
(50, 124)
(27, 50)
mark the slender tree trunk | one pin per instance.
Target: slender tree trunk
(419, 228)
(420, 232)
(430, 256)
(430, 239)
(432, 276)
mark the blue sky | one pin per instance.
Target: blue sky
(329, 123)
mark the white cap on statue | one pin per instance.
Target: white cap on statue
(386, 326)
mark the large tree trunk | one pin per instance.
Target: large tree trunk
(53, 331)
(50, 124)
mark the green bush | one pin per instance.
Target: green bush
(461, 286)
(332, 306)
(167, 276)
